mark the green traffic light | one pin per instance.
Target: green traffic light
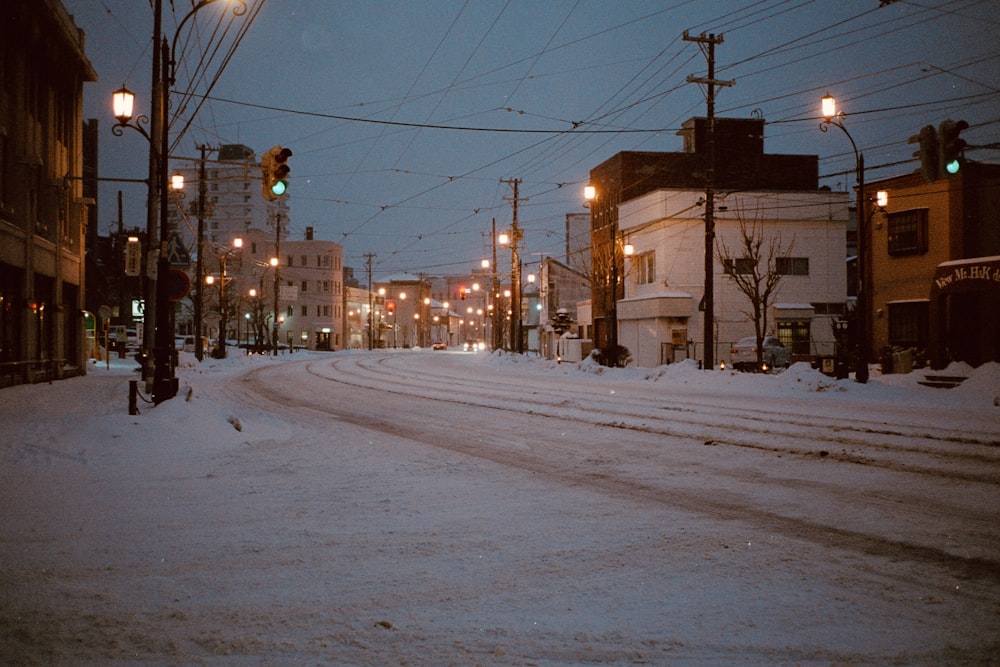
(279, 188)
(953, 167)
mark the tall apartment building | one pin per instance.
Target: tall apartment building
(231, 180)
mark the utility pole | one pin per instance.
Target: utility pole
(707, 44)
(199, 350)
(515, 266)
(496, 340)
(277, 279)
(371, 301)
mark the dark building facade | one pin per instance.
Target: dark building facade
(43, 216)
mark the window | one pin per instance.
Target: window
(741, 265)
(909, 323)
(305, 261)
(305, 284)
(791, 266)
(645, 268)
(305, 311)
(908, 232)
(795, 335)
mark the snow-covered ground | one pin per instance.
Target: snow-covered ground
(439, 508)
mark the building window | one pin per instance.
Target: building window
(740, 265)
(305, 284)
(305, 261)
(835, 308)
(909, 323)
(645, 268)
(791, 266)
(795, 335)
(305, 311)
(908, 232)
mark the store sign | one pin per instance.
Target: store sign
(955, 275)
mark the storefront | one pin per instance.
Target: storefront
(965, 312)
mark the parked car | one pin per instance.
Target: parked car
(774, 354)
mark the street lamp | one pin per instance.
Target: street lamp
(158, 310)
(831, 116)
(513, 239)
(223, 306)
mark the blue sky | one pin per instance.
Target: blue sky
(405, 117)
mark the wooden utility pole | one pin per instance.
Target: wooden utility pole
(707, 44)
(371, 301)
(515, 269)
(199, 302)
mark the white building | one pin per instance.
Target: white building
(309, 289)
(659, 317)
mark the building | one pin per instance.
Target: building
(233, 204)
(655, 201)
(660, 314)
(408, 311)
(935, 263)
(304, 293)
(43, 212)
(560, 288)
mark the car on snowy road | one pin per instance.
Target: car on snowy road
(774, 354)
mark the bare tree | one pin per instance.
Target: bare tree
(752, 267)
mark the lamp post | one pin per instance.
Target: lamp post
(158, 309)
(513, 239)
(223, 306)
(836, 118)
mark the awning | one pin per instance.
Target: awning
(674, 304)
(977, 273)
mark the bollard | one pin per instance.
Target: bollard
(133, 393)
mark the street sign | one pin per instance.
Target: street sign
(178, 284)
(177, 254)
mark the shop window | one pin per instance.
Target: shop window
(795, 335)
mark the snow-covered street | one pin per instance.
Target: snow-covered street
(439, 508)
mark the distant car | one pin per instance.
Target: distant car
(475, 345)
(440, 345)
(774, 354)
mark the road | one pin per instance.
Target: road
(861, 532)
(440, 508)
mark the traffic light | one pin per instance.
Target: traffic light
(390, 307)
(461, 293)
(928, 152)
(274, 172)
(951, 146)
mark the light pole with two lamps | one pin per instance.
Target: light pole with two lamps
(831, 116)
(164, 382)
(223, 305)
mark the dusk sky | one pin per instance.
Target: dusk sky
(406, 117)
